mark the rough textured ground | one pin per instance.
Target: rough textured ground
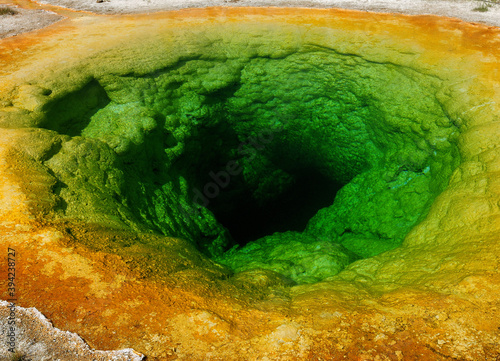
(459, 9)
(434, 298)
(38, 340)
(25, 20)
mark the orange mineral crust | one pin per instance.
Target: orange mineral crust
(79, 104)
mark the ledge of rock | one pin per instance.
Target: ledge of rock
(37, 339)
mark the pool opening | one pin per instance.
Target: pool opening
(329, 161)
(248, 219)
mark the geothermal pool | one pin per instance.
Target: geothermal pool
(257, 183)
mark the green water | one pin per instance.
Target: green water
(343, 156)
